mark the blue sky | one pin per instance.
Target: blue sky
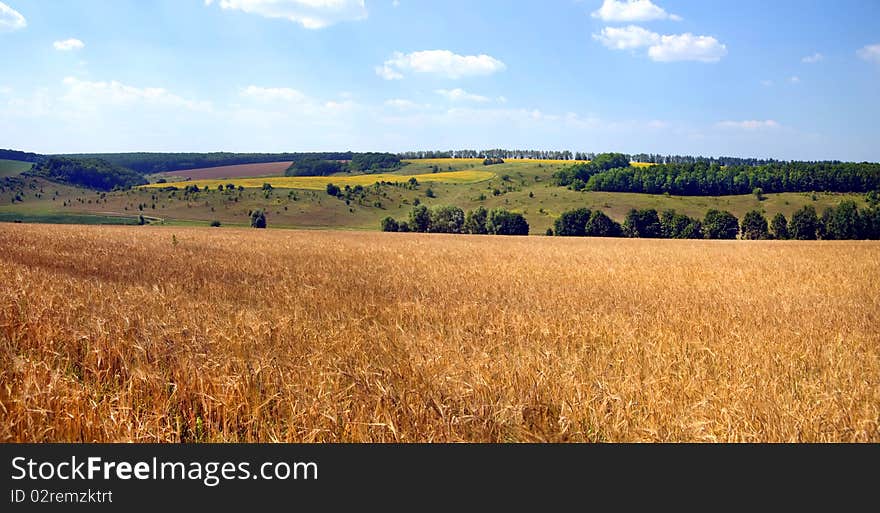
(784, 79)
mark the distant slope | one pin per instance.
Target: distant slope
(91, 173)
(237, 171)
(319, 183)
(151, 163)
(13, 167)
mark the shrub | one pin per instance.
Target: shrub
(389, 224)
(258, 219)
(215, 223)
(333, 190)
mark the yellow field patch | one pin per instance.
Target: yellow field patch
(320, 182)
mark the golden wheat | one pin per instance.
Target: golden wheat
(161, 334)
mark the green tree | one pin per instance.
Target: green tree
(572, 223)
(389, 224)
(759, 193)
(643, 223)
(420, 219)
(804, 224)
(333, 190)
(503, 222)
(600, 225)
(446, 219)
(779, 226)
(844, 222)
(258, 219)
(754, 226)
(720, 225)
(475, 221)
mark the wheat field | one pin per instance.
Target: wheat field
(158, 334)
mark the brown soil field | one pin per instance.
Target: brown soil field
(239, 171)
(168, 334)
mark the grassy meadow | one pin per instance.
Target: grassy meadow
(170, 334)
(523, 186)
(13, 167)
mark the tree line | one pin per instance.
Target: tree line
(705, 179)
(451, 219)
(843, 222)
(90, 173)
(21, 156)
(494, 154)
(316, 165)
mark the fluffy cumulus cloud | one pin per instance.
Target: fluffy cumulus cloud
(273, 94)
(663, 48)
(749, 125)
(91, 94)
(68, 45)
(632, 10)
(439, 62)
(870, 53)
(10, 19)
(626, 38)
(687, 47)
(458, 95)
(311, 14)
(813, 59)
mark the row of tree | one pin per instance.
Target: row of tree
(495, 153)
(359, 163)
(843, 222)
(91, 173)
(451, 219)
(705, 179)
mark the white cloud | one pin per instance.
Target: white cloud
(766, 83)
(68, 45)
(439, 62)
(795, 79)
(88, 94)
(676, 47)
(401, 104)
(626, 38)
(632, 10)
(749, 124)
(311, 14)
(10, 19)
(813, 59)
(687, 47)
(459, 94)
(272, 94)
(395, 3)
(870, 53)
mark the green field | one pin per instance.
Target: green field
(523, 186)
(13, 167)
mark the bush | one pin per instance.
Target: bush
(389, 224)
(258, 219)
(720, 225)
(215, 223)
(333, 190)
(759, 193)
(430, 193)
(754, 226)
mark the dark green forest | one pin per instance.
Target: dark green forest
(91, 173)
